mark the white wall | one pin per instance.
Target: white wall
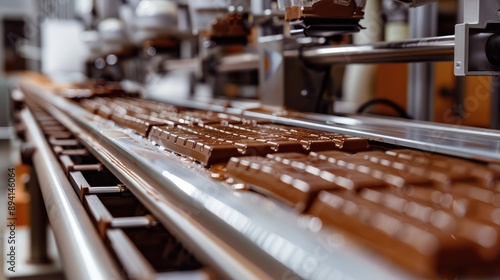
(63, 51)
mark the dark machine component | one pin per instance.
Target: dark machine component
(325, 18)
(493, 49)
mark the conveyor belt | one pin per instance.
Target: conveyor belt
(455, 140)
(144, 249)
(243, 220)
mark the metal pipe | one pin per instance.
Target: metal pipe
(82, 252)
(423, 22)
(38, 216)
(413, 50)
(240, 62)
(188, 64)
(38, 221)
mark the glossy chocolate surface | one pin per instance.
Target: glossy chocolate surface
(435, 215)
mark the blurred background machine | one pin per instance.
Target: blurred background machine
(240, 139)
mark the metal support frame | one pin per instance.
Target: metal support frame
(38, 215)
(481, 19)
(82, 252)
(38, 222)
(286, 80)
(459, 96)
(423, 23)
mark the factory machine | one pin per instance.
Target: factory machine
(204, 145)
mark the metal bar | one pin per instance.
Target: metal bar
(423, 23)
(134, 261)
(229, 63)
(38, 221)
(82, 252)
(124, 222)
(414, 50)
(240, 62)
(188, 64)
(459, 94)
(87, 167)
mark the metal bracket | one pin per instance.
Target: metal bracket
(472, 39)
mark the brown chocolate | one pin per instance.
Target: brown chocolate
(333, 9)
(91, 105)
(283, 182)
(440, 170)
(105, 111)
(140, 123)
(201, 148)
(288, 158)
(311, 140)
(424, 249)
(230, 25)
(340, 176)
(385, 171)
(483, 236)
(325, 9)
(431, 213)
(203, 117)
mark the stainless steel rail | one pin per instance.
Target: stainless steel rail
(413, 50)
(82, 252)
(455, 140)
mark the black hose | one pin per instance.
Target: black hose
(398, 109)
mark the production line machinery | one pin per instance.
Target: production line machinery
(144, 190)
